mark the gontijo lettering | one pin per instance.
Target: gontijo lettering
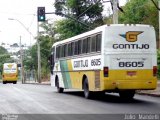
(131, 36)
(130, 46)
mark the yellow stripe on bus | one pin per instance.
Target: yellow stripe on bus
(118, 79)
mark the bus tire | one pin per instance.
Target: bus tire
(4, 82)
(127, 94)
(59, 89)
(15, 82)
(87, 94)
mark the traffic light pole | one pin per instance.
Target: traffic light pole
(159, 25)
(38, 54)
(40, 18)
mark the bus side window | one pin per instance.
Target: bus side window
(69, 49)
(65, 50)
(61, 51)
(84, 46)
(76, 48)
(88, 45)
(58, 52)
(98, 42)
(72, 48)
(79, 46)
(52, 61)
(93, 43)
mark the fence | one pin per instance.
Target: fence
(30, 76)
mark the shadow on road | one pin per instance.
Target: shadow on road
(109, 98)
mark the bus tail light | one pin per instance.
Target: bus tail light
(105, 71)
(154, 70)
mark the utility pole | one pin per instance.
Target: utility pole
(40, 18)
(22, 69)
(38, 54)
(159, 25)
(115, 11)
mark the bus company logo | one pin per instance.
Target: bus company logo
(131, 36)
(10, 65)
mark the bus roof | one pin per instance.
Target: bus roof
(8, 63)
(96, 30)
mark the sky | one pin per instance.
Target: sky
(24, 12)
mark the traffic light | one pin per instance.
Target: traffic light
(41, 14)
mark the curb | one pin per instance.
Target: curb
(39, 83)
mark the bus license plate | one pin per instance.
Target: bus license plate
(131, 73)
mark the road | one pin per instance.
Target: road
(43, 99)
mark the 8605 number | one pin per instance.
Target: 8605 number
(131, 64)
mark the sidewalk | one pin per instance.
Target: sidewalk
(155, 92)
(43, 82)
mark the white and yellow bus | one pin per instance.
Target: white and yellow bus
(111, 58)
(10, 73)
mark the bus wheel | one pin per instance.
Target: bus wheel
(127, 94)
(4, 82)
(87, 93)
(59, 89)
(15, 82)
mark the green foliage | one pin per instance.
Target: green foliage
(3, 50)
(140, 12)
(67, 28)
(79, 14)
(4, 57)
(46, 44)
(31, 60)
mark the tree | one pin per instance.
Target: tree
(31, 62)
(81, 16)
(46, 44)
(140, 12)
(67, 28)
(4, 57)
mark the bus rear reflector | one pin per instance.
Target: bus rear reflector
(154, 70)
(105, 71)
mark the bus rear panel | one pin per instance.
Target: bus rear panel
(130, 56)
(10, 73)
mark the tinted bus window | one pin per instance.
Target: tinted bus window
(98, 42)
(72, 48)
(65, 50)
(58, 52)
(76, 48)
(62, 51)
(84, 46)
(69, 49)
(93, 44)
(79, 46)
(88, 44)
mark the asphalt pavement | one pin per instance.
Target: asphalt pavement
(155, 92)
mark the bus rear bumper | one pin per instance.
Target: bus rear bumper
(130, 85)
